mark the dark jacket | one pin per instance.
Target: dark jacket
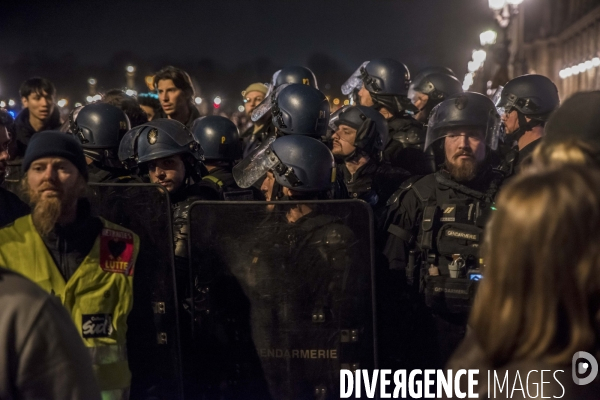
(557, 380)
(254, 136)
(194, 115)
(11, 207)
(24, 131)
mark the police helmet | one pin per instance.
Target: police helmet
(301, 110)
(533, 95)
(467, 109)
(156, 139)
(296, 74)
(372, 133)
(299, 163)
(100, 126)
(386, 76)
(219, 138)
(438, 86)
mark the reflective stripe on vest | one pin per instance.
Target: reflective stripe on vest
(98, 297)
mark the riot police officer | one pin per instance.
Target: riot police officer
(525, 104)
(299, 255)
(220, 140)
(360, 134)
(100, 128)
(300, 110)
(436, 226)
(430, 90)
(281, 79)
(384, 85)
(166, 152)
(296, 74)
(296, 109)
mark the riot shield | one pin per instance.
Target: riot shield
(281, 307)
(153, 339)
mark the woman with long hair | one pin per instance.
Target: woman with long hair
(539, 300)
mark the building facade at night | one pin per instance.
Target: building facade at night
(559, 39)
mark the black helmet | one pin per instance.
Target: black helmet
(219, 138)
(301, 110)
(467, 109)
(158, 139)
(386, 77)
(100, 128)
(387, 81)
(298, 162)
(438, 86)
(533, 95)
(371, 127)
(432, 70)
(296, 74)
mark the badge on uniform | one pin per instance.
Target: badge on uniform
(448, 213)
(116, 251)
(96, 325)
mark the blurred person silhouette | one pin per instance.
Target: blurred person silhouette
(537, 306)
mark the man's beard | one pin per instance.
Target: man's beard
(462, 170)
(47, 211)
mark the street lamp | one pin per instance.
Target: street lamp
(504, 10)
(488, 37)
(130, 75)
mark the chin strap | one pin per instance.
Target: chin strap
(524, 126)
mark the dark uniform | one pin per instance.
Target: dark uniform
(435, 227)
(152, 141)
(387, 81)
(220, 140)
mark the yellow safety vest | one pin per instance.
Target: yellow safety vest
(98, 296)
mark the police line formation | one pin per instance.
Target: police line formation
(197, 288)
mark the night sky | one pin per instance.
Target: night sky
(100, 35)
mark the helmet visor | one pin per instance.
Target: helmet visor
(256, 165)
(268, 102)
(487, 129)
(355, 81)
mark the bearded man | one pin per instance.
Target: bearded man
(435, 225)
(85, 261)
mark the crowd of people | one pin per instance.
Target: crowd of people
(484, 219)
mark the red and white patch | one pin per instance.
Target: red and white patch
(116, 251)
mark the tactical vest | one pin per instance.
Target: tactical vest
(98, 296)
(445, 261)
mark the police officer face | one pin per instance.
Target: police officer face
(465, 150)
(364, 97)
(39, 104)
(343, 140)
(251, 100)
(511, 121)
(267, 186)
(420, 101)
(168, 172)
(173, 100)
